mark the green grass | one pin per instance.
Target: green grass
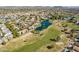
(77, 17)
(51, 33)
(71, 25)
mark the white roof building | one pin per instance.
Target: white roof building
(7, 33)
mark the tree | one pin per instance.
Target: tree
(13, 30)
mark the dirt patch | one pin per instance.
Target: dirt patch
(28, 38)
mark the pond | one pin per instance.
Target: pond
(44, 25)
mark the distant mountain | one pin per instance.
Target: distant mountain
(39, 7)
(24, 7)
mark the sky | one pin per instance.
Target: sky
(39, 2)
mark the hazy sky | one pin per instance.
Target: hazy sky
(39, 2)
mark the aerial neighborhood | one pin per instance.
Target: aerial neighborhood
(45, 29)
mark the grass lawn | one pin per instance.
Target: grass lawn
(71, 25)
(51, 32)
(54, 48)
(77, 17)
